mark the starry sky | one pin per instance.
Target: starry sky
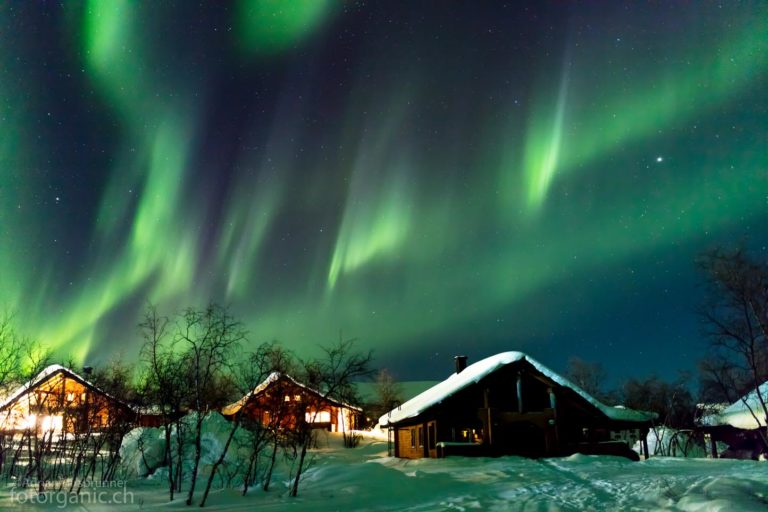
(431, 178)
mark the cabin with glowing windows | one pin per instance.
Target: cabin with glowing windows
(59, 401)
(282, 402)
(510, 404)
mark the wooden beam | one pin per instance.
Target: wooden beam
(396, 433)
(488, 420)
(555, 423)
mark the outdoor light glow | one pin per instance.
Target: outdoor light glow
(51, 424)
(28, 422)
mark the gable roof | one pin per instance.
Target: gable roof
(47, 374)
(477, 371)
(273, 378)
(740, 413)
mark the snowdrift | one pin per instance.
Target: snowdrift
(142, 452)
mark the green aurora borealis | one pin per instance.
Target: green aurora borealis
(475, 178)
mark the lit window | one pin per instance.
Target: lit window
(51, 423)
(297, 398)
(29, 422)
(287, 398)
(318, 417)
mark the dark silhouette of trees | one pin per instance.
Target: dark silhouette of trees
(251, 371)
(274, 427)
(208, 339)
(11, 352)
(388, 395)
(188, 367)
(590, 377)
(735, 317)
(672, 401)
(21, 357)
(164, 386)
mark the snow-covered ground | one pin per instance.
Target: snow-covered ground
(364, 478)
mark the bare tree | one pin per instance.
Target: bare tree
(736, 320)
(11, 352)
(253, 369)
(672, 401)
(163, 386)
(334, 375)
(21, 359)
(388, 395)
(208, 337)
(587, 375)
(274, 416)
(116, 378)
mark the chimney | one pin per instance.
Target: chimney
(87, 370)
(461, 363)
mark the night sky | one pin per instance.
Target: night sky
(431, 178)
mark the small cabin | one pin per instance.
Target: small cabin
(59, 401)
(510, 404)
(286, 403)
(740, 426)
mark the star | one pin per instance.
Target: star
(659, 159)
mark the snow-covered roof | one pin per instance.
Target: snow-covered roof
(745, 413)
(45, 375)
(274, 377)
(477, 371)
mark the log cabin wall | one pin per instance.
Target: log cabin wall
(514, 410)
(290, 404)
(64, 404)
(411, 441)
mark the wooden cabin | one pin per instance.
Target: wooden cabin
(741, 426)
(510, 404)
(59, 401)
(284, 402)
(153, 417)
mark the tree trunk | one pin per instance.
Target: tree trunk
(268, 475)
(198, 451)
(39, 451)
(169, 457)
(295, 488)
(17, 454)
(252, 464)
(179, 455)
(219, 461)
